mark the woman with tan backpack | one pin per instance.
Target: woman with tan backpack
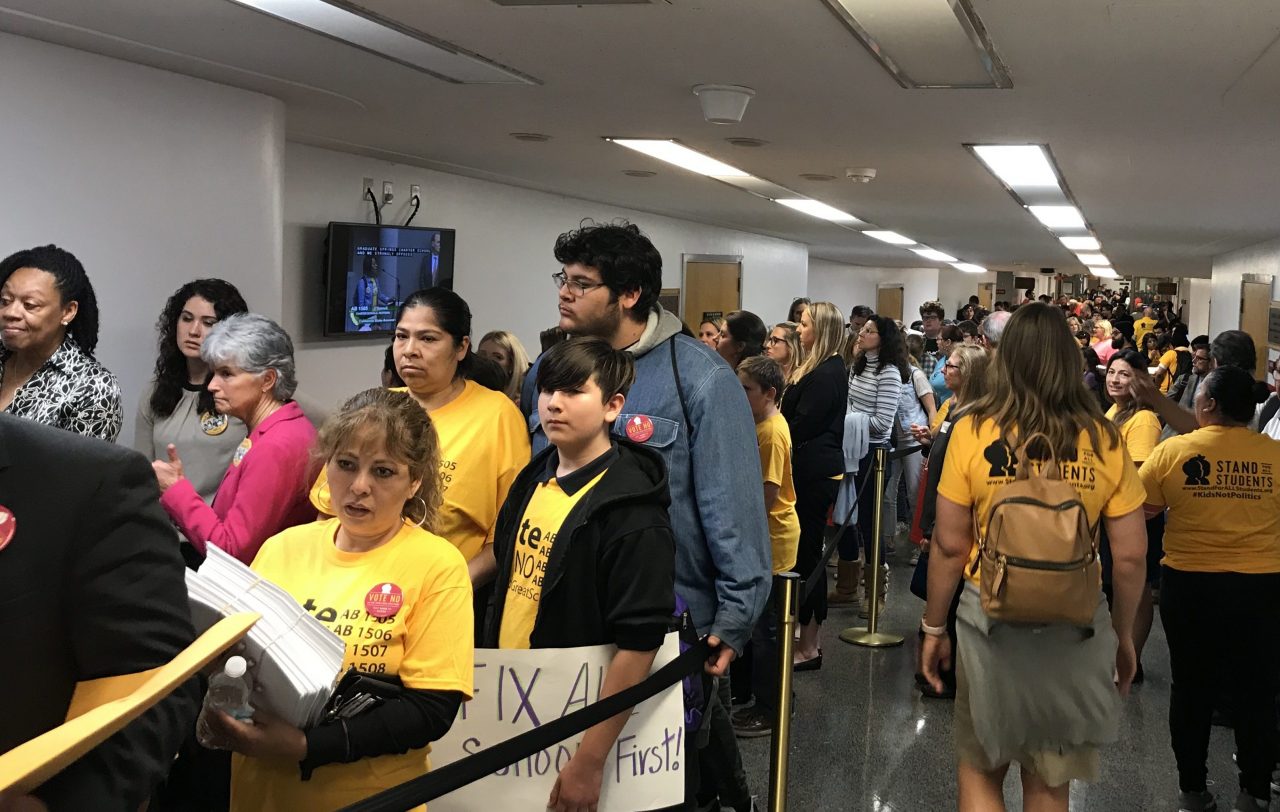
(1034, 467)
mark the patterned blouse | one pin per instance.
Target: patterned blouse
(71, 391)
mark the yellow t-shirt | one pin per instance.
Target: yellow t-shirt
(1140, 432)
(1223, 496)
(941, 414)
(543, 517)
(426, 643)
(1140, 328)
(1170, 362)
(484, 443)
(978, 464)
(774, 438)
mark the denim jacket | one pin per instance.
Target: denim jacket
(723, 558)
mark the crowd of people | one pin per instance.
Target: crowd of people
(641, 468)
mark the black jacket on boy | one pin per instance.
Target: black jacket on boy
(611, 573)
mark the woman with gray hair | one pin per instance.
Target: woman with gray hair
(265, 488)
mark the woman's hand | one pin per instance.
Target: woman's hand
(921, 434)
(935, 654)
(168, 473)
(577, 788)
(1143, 389)
(268, 737)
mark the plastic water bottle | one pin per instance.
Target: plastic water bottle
(228, 692)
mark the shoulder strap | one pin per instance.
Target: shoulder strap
(675, 373)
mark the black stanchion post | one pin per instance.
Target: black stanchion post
(871, 635)
(786, 588)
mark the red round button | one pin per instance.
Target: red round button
(8, 526)
(639, 428)
(384, 600)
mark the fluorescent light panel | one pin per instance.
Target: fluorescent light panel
(1020, 167)
(891, 237)
(938, 256)
(678, 154)
(816, 208)
(1081, 243)
(1099, 260)
(391, 41)
(1058, 216)
(968, 267)
(1104, 273)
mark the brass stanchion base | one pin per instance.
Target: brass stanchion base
(861, 636)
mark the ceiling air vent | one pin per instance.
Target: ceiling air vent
(746, 142)
(580, 2)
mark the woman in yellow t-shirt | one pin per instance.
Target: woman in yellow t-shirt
(1220, 585)
(484, 441)
(1139, 431)
(1040, 695)
(397, 595)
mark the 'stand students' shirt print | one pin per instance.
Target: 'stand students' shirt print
(1215, 477)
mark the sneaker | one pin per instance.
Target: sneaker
(1247, 803)
(902, 529)
(750, 723)
(1197, 801)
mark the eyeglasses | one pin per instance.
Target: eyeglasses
(577, 288)
(771, 340)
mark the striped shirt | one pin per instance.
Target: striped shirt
(876, 395)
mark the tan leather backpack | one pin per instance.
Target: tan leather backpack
(1039, 557)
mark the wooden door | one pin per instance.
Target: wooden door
(713, 288)
(984, 295)
(1255, 305)
(889, 301)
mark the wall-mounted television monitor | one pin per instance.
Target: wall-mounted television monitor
(373, 269)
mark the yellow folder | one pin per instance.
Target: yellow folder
(101, 707)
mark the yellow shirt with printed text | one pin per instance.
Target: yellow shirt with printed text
(1140, 432)
(774, 437)
(427, 643)
(548, 507)
(1221, 487)
(979, 463)
(484, 443)
(1141, 327)
(1170, 362)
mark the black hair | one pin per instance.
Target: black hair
(974, 300)
(800, 300)
(73, 285)
(488, 373)
(1138, 364)
(452, 314)
(767, 374)
(1178, 335)
(1234, 348)
(625, 258)
(570, 364)
(967, 328)
(892, 352)
(747, 329)
(952, 333)
(934, 308)
(389, 366)
(861, 312)
(1235, 391)
(1200, 342)
(171, 365)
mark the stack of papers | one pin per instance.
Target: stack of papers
(293, 659)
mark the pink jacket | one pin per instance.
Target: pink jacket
(263, 492)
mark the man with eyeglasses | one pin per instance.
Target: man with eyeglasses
(689, 406)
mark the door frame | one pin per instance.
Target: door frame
(685, 259)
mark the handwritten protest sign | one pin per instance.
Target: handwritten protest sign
(518, 690)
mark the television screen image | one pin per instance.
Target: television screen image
(372, 269)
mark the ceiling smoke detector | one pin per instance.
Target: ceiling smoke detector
(860, 174)
(723, 104)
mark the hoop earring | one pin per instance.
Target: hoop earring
(422, 520)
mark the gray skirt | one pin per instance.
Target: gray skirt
(1041, 695)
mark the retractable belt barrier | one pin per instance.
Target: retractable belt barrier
(450, 777)
(812, 580)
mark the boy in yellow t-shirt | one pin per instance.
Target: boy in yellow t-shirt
(762, 381)
(583, 543)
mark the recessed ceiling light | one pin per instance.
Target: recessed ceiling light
(639, 173)
(389, 40)
(532, 138)
(968, 267)
(1058, 216)
(891, 237)
(1081, 243)
(739, 141)
(938, 256)
(1022, 166)
(817, 176)
(817, 208)
(678, 154)
(1099, 260)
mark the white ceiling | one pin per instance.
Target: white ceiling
(1162, 114)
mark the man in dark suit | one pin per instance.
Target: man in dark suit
(91, 586)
